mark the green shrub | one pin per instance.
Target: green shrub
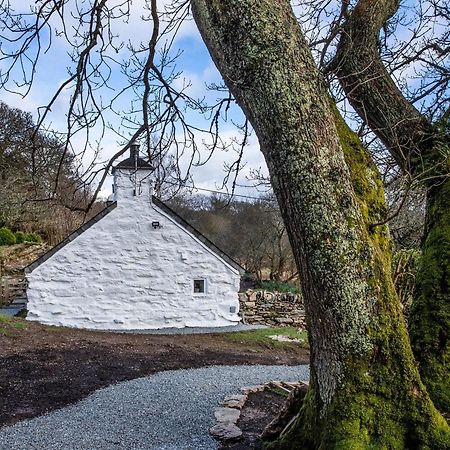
(279, 286)
(33, 237)
(7, 236)
(20, 237)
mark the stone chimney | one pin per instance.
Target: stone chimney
(134, 151)
(133, 178)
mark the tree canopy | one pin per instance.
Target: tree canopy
(37, 179)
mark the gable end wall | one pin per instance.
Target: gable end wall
(121, 273)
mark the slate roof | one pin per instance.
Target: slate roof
(170, 212)
(130, 163)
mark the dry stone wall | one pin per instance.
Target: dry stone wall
(272, 308)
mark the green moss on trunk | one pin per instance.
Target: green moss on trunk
(422, 150)
(366, 181)
(430, 312)
(368, 413)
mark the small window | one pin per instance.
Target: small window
(199, 286)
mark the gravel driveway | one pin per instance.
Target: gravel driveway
(169, 410)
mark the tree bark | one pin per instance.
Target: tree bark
(365, 389)
(422, 150)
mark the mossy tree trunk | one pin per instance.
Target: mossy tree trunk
(430, 312)
(421, 149)
(365, 390)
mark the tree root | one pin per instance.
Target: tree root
(287, 415)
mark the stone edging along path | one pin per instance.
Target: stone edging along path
(229, 411)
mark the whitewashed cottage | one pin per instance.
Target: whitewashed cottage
(136, 265)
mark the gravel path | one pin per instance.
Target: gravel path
(170, 410)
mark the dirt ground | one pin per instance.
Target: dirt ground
(44, 368)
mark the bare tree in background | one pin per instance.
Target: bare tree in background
(154, 112)
(252, 231)
(21, 183)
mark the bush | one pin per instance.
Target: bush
(7, 237)
(20, 237)
(279, 286)
(33, 237)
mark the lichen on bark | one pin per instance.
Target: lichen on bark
(373, 410)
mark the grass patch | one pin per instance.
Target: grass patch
(9, 325)
(261, 337)
(5, 332)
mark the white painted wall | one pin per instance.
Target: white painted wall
(123, 274)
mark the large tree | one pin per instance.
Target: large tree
(365, 389)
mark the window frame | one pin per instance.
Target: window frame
(204, 286)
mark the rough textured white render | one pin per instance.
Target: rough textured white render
(121, 273)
